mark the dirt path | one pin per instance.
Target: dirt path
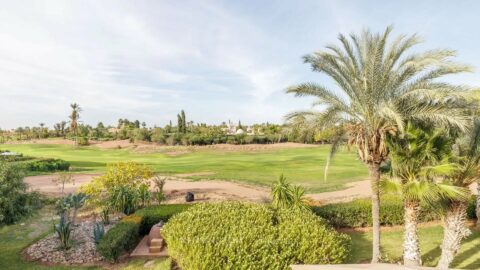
(209, 190)
(176, 187)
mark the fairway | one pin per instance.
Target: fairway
(303, 166)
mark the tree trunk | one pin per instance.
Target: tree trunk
(374, 170)
(478, 204)
(411, 246)
(454, 230)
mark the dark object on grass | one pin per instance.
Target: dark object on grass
(189, 197)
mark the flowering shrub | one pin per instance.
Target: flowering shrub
(235, 235)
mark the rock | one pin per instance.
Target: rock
(189, 197)
(83, 249)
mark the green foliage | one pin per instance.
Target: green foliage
(358, 213)
(105, 215)
(122, 187)
(45, 165)
(15, 201)
(119, 239)
(251, 236)
(153, 214)
(98, 232)
(63, 230)
(286, 195)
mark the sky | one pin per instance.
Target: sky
(217, 60)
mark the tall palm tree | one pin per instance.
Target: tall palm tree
(418, 158)
(74, 116)
(467, 152)
(379, 87)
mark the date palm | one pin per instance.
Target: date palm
(419, 158)
(378, 88)
(74, 116)
(467, 152)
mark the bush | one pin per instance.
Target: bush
(125, 235)
(235, 235)
(153, 214)
(119, 239)
(15, 201)
(471, 210)
(46, 165)
(358, 213)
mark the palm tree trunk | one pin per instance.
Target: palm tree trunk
(454, 230)
(374, 170)
(411, 246)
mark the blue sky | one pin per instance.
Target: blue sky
(217, 60)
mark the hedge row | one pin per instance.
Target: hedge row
(238, 235)
(45, 165)
(124, 236)
(358, 213)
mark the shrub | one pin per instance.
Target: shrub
(119, 186)
(125, 235)
(46, 165)
(119, 239)
(235, 235)
(358, 213)
(153, 214)
(15, 201)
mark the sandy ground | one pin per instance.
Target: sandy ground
(153, 147)
(208, 190)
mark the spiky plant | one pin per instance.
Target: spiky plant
(419, 158)
(379, 88)
(63, 230)
(286, 195)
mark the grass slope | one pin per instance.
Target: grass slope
(303, 166)
(430, 240)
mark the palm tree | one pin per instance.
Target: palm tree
(379, 87)
(74, 116)
(467, 152)
(418, 158)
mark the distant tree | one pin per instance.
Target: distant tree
(184, 122)
(137, 124)
(74, 116)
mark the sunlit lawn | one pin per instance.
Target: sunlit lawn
(300, 165)
(430, 240)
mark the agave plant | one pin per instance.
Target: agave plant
(77, 201)
(379, 88)
(63, 230)
(98, 232)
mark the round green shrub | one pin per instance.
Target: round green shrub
(235, 235)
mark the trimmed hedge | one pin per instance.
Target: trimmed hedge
(45, 165)
(236, 235)
(125, 235)
(153, 214)
(358, 213)
(119, 239)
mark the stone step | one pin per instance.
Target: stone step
(154, 249)
(157, 242)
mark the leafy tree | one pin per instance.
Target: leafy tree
(418, 158)
(379, 88)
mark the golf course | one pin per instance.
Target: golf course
(301, 165)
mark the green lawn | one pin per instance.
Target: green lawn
(304, 166)
(430, 240)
